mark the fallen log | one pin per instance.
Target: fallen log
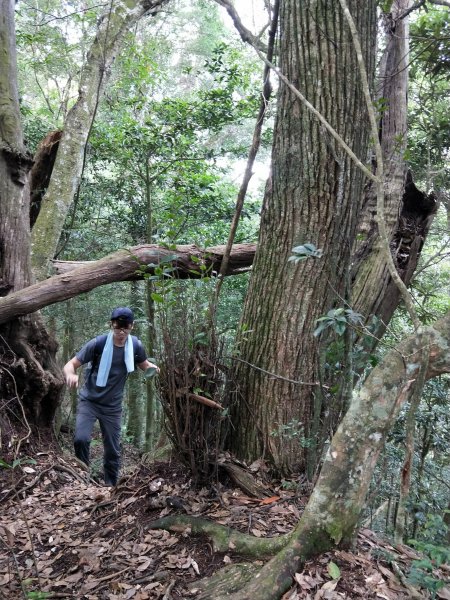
(182, 262)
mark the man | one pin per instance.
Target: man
(110, 360)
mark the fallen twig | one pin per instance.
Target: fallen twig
(169, 589)
(206, 401)
(412, 590)
(16, 564)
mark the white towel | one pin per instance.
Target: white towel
(106, 359)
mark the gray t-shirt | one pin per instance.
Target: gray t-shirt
(110, 396)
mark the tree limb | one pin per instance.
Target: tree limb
(124, 265)
(246, 35)
(440, 3)
(205, 401)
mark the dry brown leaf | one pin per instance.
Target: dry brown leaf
(375, 579)
(270, 500)
(75, 578)
(6, 578)
(387, 573)
(302, 581)
(144, 564)
(9, 532)
(194, 565)
(128, 501)
(281, 529)
(88, 585)
(444, 593)
(325, 590)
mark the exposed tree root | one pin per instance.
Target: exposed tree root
(228, 580)
(244, 582)
(223, 538)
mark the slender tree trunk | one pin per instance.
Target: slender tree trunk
(151, 404)
(314, 195)
(406, 470)
(135, 390)
(66, 175)
(425, 448)
(447, 522)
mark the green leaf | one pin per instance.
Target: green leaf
(157, 297)
(340, 327)
(321, 327)
(333, 570)
(150, 372)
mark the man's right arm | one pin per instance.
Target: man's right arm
(70, 372)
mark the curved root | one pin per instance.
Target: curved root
(223, 538)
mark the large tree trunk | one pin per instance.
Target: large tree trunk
(408, 211)
(28, 373)
(314, 195)
(117, 20)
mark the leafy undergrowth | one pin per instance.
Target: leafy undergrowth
(64, 537)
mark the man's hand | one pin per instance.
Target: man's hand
(149, 368)
(71, 380)
(70, 372)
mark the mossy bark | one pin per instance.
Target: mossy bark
(331, 515)
(29, 378)
(228, 580)
(408, 212)
(223, 538)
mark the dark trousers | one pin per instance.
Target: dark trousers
(110, 424)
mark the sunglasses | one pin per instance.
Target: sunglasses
(124, 328)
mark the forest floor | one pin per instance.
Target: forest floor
(62, 536)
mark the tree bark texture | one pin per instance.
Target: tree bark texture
(125, 265)
(408, 211)
(314, 195)
(15, 163)
(331, 515)
(119, 17)
(28, 373)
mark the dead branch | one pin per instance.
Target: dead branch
(205, 401)
(243, 479)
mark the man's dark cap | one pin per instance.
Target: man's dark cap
(122, 313)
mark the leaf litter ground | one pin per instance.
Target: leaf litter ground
(65, 537)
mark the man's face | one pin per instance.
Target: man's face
(121, 330)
